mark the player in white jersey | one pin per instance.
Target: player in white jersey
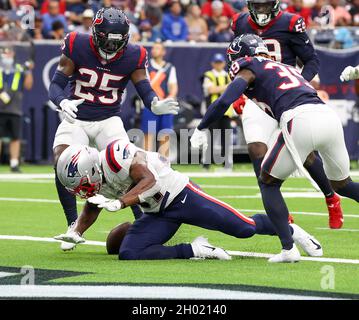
(123, 175)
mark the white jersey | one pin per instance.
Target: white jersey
(116, 161)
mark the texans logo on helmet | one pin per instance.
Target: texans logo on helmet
(99, 18)
(72, 170)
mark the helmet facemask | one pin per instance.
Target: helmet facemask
(262, 12)
(110, 43)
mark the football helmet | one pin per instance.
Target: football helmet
(246, 45)
(110, 30)
(263, 11)
(79, 170)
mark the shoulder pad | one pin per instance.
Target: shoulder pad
(67, 44)
(239, 64)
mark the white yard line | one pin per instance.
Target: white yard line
(234, 253)
(236, 174)
(337, 230)
(306, 195)
(142, 292)
(228, 186)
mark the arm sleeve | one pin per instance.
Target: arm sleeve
(57, 87)
(172, 79)
(304, 50)
(145, 92)
(218, 108)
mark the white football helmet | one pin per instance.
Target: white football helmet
(79, 170)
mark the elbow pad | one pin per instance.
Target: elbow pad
(154, 189)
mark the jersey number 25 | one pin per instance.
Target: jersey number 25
(92, 83)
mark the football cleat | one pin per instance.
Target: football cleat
(307, 242)
(203, 249)
(287, 256)
(71, 237)
(67, 246)
(335, 212)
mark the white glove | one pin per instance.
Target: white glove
(199, 139)
(103, 202)
(69, 109)
(350, 73)
(166, 106)
(70, 236)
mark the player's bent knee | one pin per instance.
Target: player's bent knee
(129, 254)
(58, 150)
(246, 232)
(257, 150)
(337, 185)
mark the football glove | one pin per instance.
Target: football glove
(105, 203)
(199, 139)
(69, 109)
(166, 106)
(350, 73)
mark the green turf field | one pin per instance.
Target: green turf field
(29, 207)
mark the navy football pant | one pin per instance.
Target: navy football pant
(147, 236)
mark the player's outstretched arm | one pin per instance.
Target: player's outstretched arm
(58, 84)
(149, 97)
(350, 73)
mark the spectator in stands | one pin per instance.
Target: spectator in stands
(222, 32)
(174, 26)
(197, 26)
(45, 6)
(36, 33)
(316, 12)
(207, 9)
(217, 12)
(5, 5)
(148, 33)
(86, 25)
(14, 78)
(354, 12)
(76, 6)
(53, 15)
(297, 7)
(341, 15)
(15, 4)
(57, 30)
(164, 82)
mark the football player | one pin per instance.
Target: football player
(97, 68)
(306, 123)
(287, 41)
(123, 175)
(350, 73)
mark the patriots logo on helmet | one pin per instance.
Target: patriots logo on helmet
(72, 170)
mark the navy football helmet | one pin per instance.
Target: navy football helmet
(246, 45)
(263, 11)
(110, 30)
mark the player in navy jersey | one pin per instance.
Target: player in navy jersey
(97, 69)
(287, 41)
(306, 124)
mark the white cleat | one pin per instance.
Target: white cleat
(307, 242)
(70, 239)
(203, 249)
(291, 255)
(67, 246)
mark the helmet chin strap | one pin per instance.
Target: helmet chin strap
(105, 55)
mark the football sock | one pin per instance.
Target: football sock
(316, 171)
(68, 202)
(158, 252)
(14, 163)
(351, 190)
(277, 212)
(257, 166)
(263, 225)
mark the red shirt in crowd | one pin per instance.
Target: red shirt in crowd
(305, 13)
(226, 11)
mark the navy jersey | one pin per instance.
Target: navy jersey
(101, 83)
(277, 87)
(285, 36)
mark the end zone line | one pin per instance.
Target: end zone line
(233, 253)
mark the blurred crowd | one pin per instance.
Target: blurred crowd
(166, 20)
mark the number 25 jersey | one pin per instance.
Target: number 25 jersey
(101, 83)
